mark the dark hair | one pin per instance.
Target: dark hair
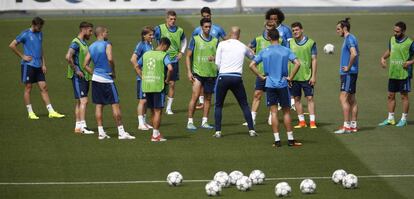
(273, 34)
(145, 31)
(401, 25)
(275, 11)
(85, 24)
(345, 23)
(204, 20)
(165, 41)
(37, 21)
(171, 13)
(205, 10)
(296, 24)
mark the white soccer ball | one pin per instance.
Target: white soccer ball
(257, 177)
(223, 178)
(234, 176)
(350, 181)
(329, 49)
(213, 188)
(174, 178)
(307, 186)
(244, 183)
(338, 175)
(282, 189)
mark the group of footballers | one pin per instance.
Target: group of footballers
(283, 58)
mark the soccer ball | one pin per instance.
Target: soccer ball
(282, 189)
(257, 177)
(244, 183)
(223, 178)
(338, 175)
(174, 178)
(329, 49)
(234, 176)
(307, 186)
(350, 181)
(213, 188)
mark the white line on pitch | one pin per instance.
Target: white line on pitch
(163, 181)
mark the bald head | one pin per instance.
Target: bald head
(234, 32)
(101, 32)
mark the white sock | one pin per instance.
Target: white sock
(404, 116)
(201, 99)
(270, 114)
(190, 120)
(204, 120)
(169, 102)
(347, 124)
(312, 118)
(50, 108)
(301, 117)
(77, 125)
(101, 130)
(254, 115)
(141, 120)
(121, 129)
(290, 135)
(276, 135)
(29, 108)
(82, 124)
(292, 102)
(155, 133)
(390, 116)
(353, 124)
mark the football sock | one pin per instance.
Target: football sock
(201, 99)
(82, 124)
(353, 124)
(155, 133)
(390, 116)
(301, 117)
(290, 135)
(49, 108)
(347, 124)
(169, 102)
(29, 108)
(204, 120)
(77, 125)
(190, 120)
(312, 118)
(121, 129)
(404, 116)
(101, 130)
(276, 135)
(292, 102)
(254, 115)
(141, 120)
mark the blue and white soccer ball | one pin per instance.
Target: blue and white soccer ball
(234, 176)
(338, 175)
(213, 188)
(244, 183)
(282, 189)
(307, 186)
(257, 177)
(223, 178)
(329, 49)
(174, 178)
(350, 181)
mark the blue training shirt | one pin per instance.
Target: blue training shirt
(75, 48)
(350, 41)
(32, 46)
(275, 60)
(98, 55)
(140, 49)
(215, 31)
(285, 33)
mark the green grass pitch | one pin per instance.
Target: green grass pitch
(47, 150)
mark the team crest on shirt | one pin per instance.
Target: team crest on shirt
(151, 64)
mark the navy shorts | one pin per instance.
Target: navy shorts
(155, 100)
(175, 74)
(298, 86)
(32, 74)
(275, 96)
(104, 93)
(80, 87)
(208, 83)
(140, 94)
(399, 85)
(348, 83)
(260, 84)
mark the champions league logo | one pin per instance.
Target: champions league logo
(151, 64)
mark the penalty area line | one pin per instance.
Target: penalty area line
(192, 181)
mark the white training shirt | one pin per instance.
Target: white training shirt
(230, 56)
